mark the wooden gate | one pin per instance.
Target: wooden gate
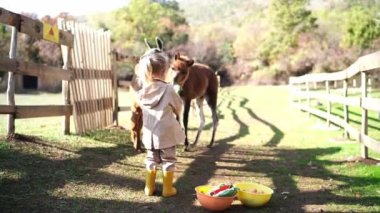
(91, 88)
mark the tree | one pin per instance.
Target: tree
(362, 26)
(288, 18)
(148, 19)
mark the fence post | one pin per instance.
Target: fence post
(328, 104)
(115, 91)
(11, 85)
(346, 118)
(369, 86)
(308, 97)
(364, 127)
(299, 90)
(66, 56)
(291, 90)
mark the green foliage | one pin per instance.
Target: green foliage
(362, 26)
(5, 39)
(248, 38)
(4, 46)
(148, 19)
(275, 44)
(227, 12)
(289, 18)
(226, 53)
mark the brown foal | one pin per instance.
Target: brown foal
(199, 82)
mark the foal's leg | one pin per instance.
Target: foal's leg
(201, 119)
(211, 101)
(185, 120)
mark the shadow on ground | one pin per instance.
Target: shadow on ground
(298, 176)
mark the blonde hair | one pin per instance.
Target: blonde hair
(153, 64)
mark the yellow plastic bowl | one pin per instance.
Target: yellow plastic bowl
(212, 203)
(249, 198)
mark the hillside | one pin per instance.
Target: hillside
(200, 12)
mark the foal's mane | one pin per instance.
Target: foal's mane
(184, 58)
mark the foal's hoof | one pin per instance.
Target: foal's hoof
(190, 148)
(209, 146)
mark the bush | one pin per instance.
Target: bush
(361, 27)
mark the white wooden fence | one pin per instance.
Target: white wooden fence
(302, 94)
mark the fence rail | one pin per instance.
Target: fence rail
(33, 69)
(28, 111)
(301, 96)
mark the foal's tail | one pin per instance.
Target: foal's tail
(212, 91)
(212, 99)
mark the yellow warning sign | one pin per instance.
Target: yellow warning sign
(51, 32)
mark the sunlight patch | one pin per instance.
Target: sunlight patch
(305, 183)
(325, 127)
(75, 190)
(7, 175)
(314, 208)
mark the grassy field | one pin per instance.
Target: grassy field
(260, 138)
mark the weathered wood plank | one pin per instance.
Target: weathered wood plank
(328, 103)
(371, 143)
(31, 27)
(7, 109)
(122, 109)
(102, 104)
(350, 101)
(33, 69)
(33, 111)
(371, 104)
(345, 107)
(115, 97)
(364, 122)
(66, 56)
(11, 83)
(74, 84)
(108, 58)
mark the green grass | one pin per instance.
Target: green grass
(260, 138)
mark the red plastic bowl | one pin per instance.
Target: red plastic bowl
(212, 203)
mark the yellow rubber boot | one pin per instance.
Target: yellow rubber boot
(150, 182)
(168, 189)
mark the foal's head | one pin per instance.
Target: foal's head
(179, 68)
